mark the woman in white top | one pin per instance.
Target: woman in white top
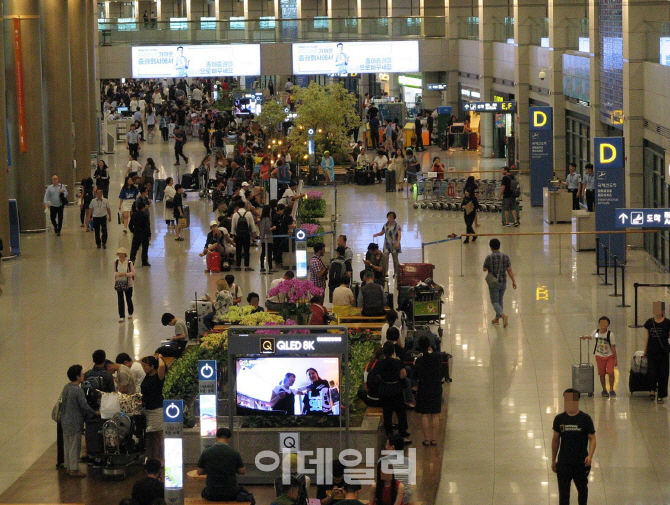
(380, 164)
(168, 209)
(398, 165)
(124, 277)
(151, 121)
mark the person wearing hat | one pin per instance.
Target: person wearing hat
(374, 261)
(328, 167)
(124, 277)
(216, 241)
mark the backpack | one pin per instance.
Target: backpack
(515, 187)
(242, 227)
(337, 270)
(606, 338)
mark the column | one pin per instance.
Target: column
(597, 128)
(28, 168)
(4, 176)
(58, 146)
(559, 13)
(432, 99)
(188, 9)
(93, 85)
(455, 9)
(522, 33)
(81, 113)
(489, 12)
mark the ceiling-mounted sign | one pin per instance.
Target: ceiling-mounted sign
(489, 107)
(436, 86)
(384, 77)
(412, 82)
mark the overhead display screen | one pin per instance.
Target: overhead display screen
(196, 61)
(355, 57)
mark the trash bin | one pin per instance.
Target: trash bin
(583, 220)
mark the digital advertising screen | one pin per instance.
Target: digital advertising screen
(288, 386)
(208, 420)
(355, 57)
(174, 463)
(151, 62)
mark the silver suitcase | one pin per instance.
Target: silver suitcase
(583, 373)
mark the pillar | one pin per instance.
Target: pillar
(4, 176)
(489, 12)
(28, 168)
(58, 144)
(81, 104)
(455, 10)
(559, 14)
(597, 128)
(93, 85)
(431, 99)
(523, 9)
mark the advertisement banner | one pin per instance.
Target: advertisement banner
(196, 61)
(355, 57)
(20, 96)
(609, 171)
(541, 152)
(173, 419)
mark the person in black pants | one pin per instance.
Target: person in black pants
(418, 131)
(391, 373)
(374, 131)
(140, 227)
(242, 227)
(657, 352)
(470, 205)
(179, 141)
(575, 435)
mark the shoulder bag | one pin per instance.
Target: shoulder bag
(121, 285)
(62, 197)
(57, 410)
(491, 279)
(660, 342)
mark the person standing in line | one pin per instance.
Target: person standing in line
(605, 351)
(55, 199)
(102, 178)
(242, 230)
(470, 205)
(75, 409)
(657, 351)
(318, 270)
(127, 197)
(164, 125)
(178, 209)
(589, 187)
(152, 399)
(392, 233)
(124, 278)
(413, 168)
(140, 227)
(508, 198)
(101, 214)
(500, 266)
(133, 142)
(179, 141)
(426, 372)
(572, 448)
(348, 253)
(134, 366)
(266, 236)
(168, 202)
(573, 182)
(418, 132)
(392, 374)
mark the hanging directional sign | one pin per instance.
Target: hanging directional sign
(642, 218)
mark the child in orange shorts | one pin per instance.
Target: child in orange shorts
(605, 351)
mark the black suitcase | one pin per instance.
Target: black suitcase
(186, 181)
(446, 366)
(94, 442)
(389, 300)
(390, 181)
(191, 318)
(355, 288)
(638, 381)
(361, 177)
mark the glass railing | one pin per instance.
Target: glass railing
(208, 30)
(468, 28)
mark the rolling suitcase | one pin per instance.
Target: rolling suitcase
(446, 366)
(361, 177)
(186, 181)
(583, 373)
(390, 181)
(214, 262)
(191, 318)
(187, 215)
(638, 380)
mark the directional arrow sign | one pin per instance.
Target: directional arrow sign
(642, 218)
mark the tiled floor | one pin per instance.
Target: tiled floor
(59, 305)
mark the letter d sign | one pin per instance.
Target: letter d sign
(609, 152)
(539, 119)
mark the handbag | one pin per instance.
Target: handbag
(63, 198)
(109, 405)
(182, 222)
(121, 284)
(57, 410)
(118, 215)
(492, 280)
(169, 204)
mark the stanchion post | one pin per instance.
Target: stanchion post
(606, 283)
(423, 252)
(615, 260)
(461, 256)
(635, 286)
(597, 256)
(623, 287)
(560, 266)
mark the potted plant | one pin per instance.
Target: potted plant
(297, 292)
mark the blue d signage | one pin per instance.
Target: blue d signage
(608, 153)
(541, 152)
(609, 171)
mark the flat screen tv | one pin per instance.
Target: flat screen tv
(288, 386)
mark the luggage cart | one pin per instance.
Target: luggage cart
(122, 445)
(426, 308)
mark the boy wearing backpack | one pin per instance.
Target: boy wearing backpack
(339, 267)
(605, 352)
(510, 191)
(241, 230)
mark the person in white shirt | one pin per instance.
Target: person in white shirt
(605, 351)
(363, 158)
(133, 166)
(380, 163)
(290, 195)
(394, 319)
(135, 368)
(157, 97)
(289, 86)
(276, 302)
(196, 96)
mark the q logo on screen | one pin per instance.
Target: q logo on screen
(206, 371)
(267, 346)
(172, 411)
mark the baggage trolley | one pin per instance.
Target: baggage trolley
(426, 308)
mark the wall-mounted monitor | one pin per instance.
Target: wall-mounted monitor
(355, 57)
(196, 61)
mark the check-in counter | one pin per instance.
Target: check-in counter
(583, 220)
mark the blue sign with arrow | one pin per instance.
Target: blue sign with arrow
(642, 218)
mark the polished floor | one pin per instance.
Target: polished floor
(59, 305)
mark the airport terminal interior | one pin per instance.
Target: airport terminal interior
(482, 70)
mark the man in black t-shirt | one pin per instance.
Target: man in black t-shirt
(146, 490)
(508, 198)
(574, 443)
(333, 492)
(221, 463)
